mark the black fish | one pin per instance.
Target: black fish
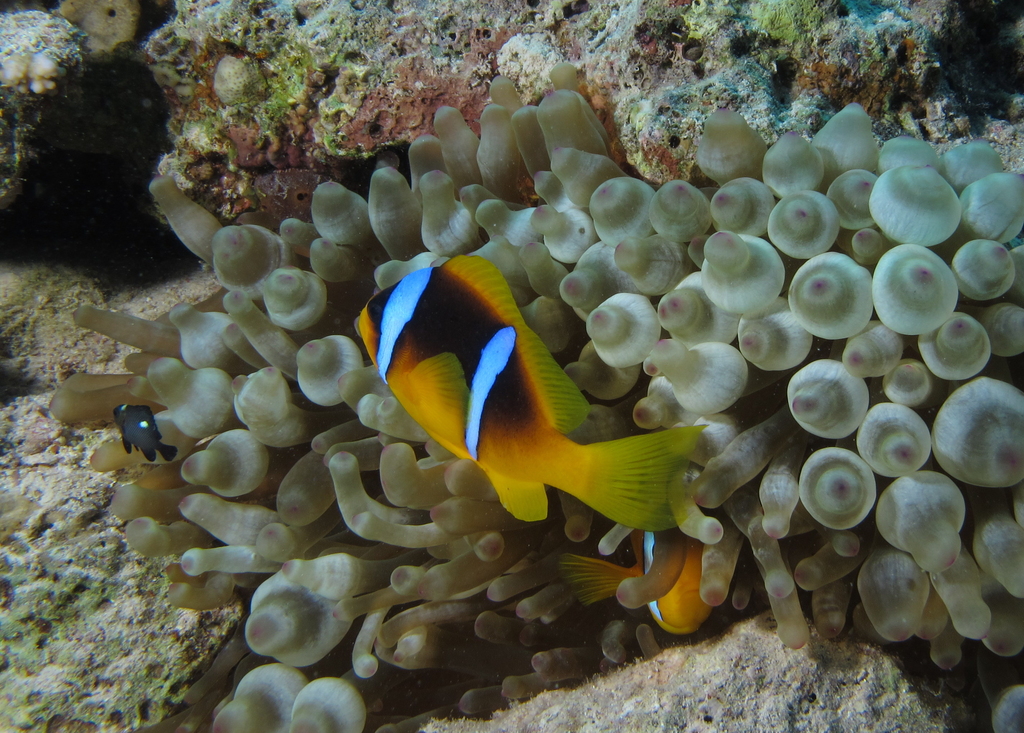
(138, 430)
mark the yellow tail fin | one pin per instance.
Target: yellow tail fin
(628, 479)
(592, 580)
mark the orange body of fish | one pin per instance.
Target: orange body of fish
(680, 611)
(454, 349)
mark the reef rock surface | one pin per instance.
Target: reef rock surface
(88, 640)
(741, 681)
(330, 81)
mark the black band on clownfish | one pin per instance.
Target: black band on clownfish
(455, 350)
(139, 430)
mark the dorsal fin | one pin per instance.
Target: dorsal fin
(560, 400)
(486, 281)
(563, 403)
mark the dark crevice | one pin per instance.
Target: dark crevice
(982, 63)
(574, 8)
(79, 209)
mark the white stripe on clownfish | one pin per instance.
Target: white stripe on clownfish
(493, 360)
(648, 544)
(397, 313)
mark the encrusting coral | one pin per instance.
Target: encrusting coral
(372, 550)
(106, 22)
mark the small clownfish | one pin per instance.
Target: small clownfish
(680, 611)
(454, 349)
(138, 430)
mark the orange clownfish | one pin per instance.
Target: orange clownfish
(454, 349)
(680, 611)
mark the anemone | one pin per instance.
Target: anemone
(375, 552)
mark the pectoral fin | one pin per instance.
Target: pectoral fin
(435, 394)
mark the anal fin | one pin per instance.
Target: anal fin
(525, 500)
